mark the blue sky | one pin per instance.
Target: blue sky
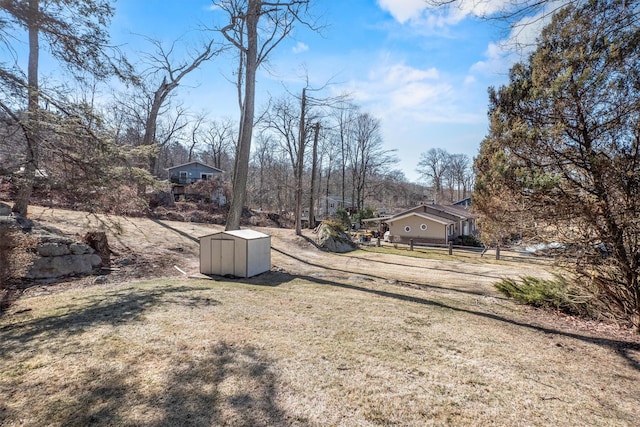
(423, 72)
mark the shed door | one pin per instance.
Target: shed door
(222, 257)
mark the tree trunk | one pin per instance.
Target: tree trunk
(149, 137)
(241, 171)
(25, 187)
(314, 160)
(299, 164)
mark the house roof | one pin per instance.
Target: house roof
(455, 211)
(464, 202)
(376, 219)
(458, 210)
(195, 163)
(428, 217)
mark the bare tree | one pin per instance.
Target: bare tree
(255, 28)
(218, 137)
(432, 166)
(171, 72)
(457, 172)
(345, 117)
(367, 156)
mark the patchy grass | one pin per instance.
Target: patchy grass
(360, 339)
(468, 256)
(312, 350)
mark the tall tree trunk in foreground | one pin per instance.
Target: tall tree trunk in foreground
(314, 160)
(27, 179)
(241, 171)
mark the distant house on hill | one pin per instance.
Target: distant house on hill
(192, 172)
(326, 207)
(436, 224)
(464, 203)
(186, 174)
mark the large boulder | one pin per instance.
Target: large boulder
(52, 267)
(333, 238)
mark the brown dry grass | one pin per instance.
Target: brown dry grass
(361, 339)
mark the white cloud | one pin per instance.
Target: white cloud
(403, 10)
(300, 47)
(402, 74)
(398, 93)
(483, 8)
(500, 56)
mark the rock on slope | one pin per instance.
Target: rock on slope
(333, 238)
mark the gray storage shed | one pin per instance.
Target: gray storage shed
(241, 253)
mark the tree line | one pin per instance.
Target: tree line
(101, 150)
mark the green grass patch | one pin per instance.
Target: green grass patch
(430, 253)
(556, 294)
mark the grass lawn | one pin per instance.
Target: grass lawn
(304, 350)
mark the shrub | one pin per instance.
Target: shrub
(342, 217)
(362, 214)
(334, 225)
(469, 240)
(557, 294)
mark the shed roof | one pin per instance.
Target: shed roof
(245, 234)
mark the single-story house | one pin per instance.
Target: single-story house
(419, 227)
(431, 224)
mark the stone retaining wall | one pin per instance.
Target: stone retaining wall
(61, 256)
(55, 255)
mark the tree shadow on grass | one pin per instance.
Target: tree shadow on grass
(111, 308)
(402, 283)
(231, 385)
(224, 385)
(628, 350)
(179, 232)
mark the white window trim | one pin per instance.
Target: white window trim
(407, 229)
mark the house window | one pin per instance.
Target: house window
(183, 175)
(206, 176)
(407, 229)
(423, 227)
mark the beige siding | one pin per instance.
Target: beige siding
(225, 253)
(435, 232)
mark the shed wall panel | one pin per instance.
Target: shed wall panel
(259, 252)
(242, 255)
